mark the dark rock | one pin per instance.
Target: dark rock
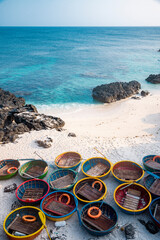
(112, 92)
(158, 50)
(153, 78)
(17, 118)
(71, 135)
(1, 135)
(10, 188)
(45, 144)
(144, 93)
(9, 99)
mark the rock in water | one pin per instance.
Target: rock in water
(153, 78)
(17, 118)
(112, 92)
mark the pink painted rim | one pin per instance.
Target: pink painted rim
(36, 199)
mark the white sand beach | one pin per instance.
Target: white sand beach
(125, 130)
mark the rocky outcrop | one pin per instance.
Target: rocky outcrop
(112, 92)
(144, 93)
(153, 78)
(16, 117)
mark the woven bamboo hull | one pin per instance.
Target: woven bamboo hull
(89, 180)
(31, 163)
(15, 163)
(149, 180)
(129, 207)
(92, 163)
(34, 184)
(27, 237)
(149, 168)
(151, 210)
(61, 173)
(107, 211)
(69, 160)
(129, 168)
(55, 195)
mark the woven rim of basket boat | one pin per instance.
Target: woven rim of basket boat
(31, 235)
(150, 208)
(147, 178)
(136, 165)
(90, 159)
(79, 159)
(40, 162)
(85, 180)
(75, 175)
(32, 180)
(98, 204)
(129, 210)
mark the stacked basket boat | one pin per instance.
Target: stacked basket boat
(96, 216)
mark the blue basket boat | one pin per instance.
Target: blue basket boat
(96, 167)
(154, 210)
(101, 222)
(59, 205)
(62, 179)
(153, 184)
(151, 163)
(32, 192)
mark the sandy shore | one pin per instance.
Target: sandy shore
(126, 130)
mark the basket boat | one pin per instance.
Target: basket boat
(33, 169)
(96, 167)
(14, 223)
(102, 225)
(8, 168)
(151, 163)
(153, 184)
(62, 179)
(68, 160)
(154, 210)
(59, 205)
(132, 199)
(127, 171)
(90, 189)
(32, 192)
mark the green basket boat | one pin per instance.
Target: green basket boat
(33, 169)
(8, 168)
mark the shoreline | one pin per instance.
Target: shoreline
(124, 118)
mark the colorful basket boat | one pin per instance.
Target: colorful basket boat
(127, 171)
(17, 223)
(154, 210)
(33, 169)
(8, 168)
(151, 163)
(32, 192)
(62, 179)
(153, 184)
(96, 167)
(132, 199)
(68, 160)
(90, 189)
(95, 224)
(59, 205)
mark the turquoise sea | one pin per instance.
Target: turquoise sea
(61, 65)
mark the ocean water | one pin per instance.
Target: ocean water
(61, 65)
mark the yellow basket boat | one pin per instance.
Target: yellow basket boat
(13, 223)
(90, 189)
